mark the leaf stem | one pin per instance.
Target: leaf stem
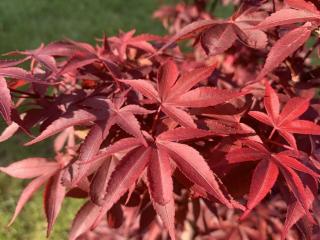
(281, 145)
(155, 121)
(112, 75)
(271, 134)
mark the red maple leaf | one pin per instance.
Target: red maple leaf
(175, 93)
(157, 158)
(267, 171)
(285, 122)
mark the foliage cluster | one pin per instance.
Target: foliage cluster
(216, 139)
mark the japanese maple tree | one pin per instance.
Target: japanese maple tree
(219, 142)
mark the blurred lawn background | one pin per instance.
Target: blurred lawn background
(25, 24)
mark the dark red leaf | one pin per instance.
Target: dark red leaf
(159, 177)
(263, 179)
(124, 176)
(68, 119)
(218, 38)
(194, 167)
(206, 96)
(83, 220)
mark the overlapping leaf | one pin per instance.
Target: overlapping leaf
(217, 36)
(156, 157)
(285, 122)
(173, 93)
(163, 167)
(267, 171)
(124, 118)
(42, 171)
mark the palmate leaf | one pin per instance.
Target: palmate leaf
(48, 61)
(124, 118)
(284, 47)
(173, 93)
(46, 54)
(159, 167)
(221, 37)
(286, 121)
(156, 158)
(267, 171)
(82, 54)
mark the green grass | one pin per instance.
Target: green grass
(25, 24)
(31, 223)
